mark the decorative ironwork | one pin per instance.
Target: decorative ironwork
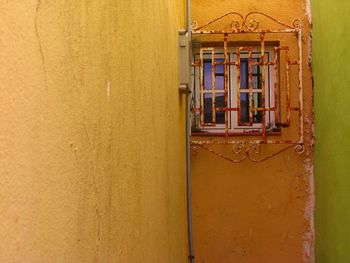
(250, 148)
(245, 25)
(248, 151)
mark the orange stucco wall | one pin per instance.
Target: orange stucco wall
(256, 212)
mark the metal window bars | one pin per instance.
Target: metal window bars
(249, 148)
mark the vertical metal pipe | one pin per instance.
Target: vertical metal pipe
(276, 81)
(288, 100)
(226, 72)
(301, 115)
(250, 86)
(213, 87)
(238, 63)
(250, 82)
(201, 89)
(287, 86)
(188, 143)
(263, 86)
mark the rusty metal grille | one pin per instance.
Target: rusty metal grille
(282, 106)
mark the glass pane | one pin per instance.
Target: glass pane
(257, 82)
(256, 74)
(244, 74)
(257, 115)
(220, 103)
(219, 69)
(207, 74)
(244, 107)
(219, 82)
(208, 104)
(256, 68)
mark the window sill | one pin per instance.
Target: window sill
(231, 134)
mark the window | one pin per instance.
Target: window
(239, 99)
(247, 79)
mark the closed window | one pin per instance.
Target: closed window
(237, 100)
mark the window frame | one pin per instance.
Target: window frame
(233, 125)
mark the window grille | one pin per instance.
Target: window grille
(247, 88)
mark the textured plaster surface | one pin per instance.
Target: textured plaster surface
(256, 212)
(332, 125)
(92, 143)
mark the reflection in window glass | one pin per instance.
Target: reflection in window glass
(219, 82)
(244, 74)
(257, 103)
(257, 96)
(219, 85)
(220, 103)
(244, 107)
(219, 75)
(208, 101)
(208, 110)
(256, 74)
(207, 74)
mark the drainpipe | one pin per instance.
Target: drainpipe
(188, 138)
(185, 87)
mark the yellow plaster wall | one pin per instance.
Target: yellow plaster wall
(92, 145)
(256, 212)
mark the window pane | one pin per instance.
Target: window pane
(207, 74)
(219, 69)
(257, 115)
(220, 103)
(208, 102)
(256, 75)
(219, 72)
(244, 74)
(244, 107)
(208, 112)
(257, 82)
(219, 82)
(256, 68)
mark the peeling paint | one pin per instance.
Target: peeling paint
(308, 11)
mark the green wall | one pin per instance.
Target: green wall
(331, 58)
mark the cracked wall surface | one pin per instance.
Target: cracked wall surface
(92, 142)
(256, 212)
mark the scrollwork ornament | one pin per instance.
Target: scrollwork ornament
(299, 149)
(242, 23)
(194, 25)
(297, 23)
(235, 25)
(254, 148)
(252, 25)
(248, 151)
(238, 147)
